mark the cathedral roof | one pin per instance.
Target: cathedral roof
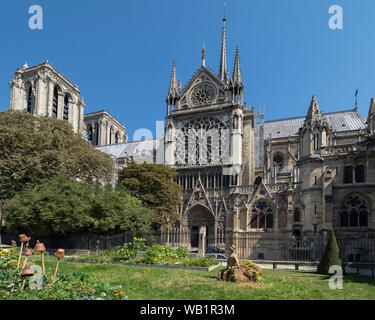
(339, 121)
(136, 149)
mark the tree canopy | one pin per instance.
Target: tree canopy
(154, 185)
(34, 148)
(61, 205)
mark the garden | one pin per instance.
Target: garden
(31, 283)
(137, 252)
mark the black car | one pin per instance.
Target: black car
(214, 250)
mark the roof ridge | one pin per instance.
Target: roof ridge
(303, 117)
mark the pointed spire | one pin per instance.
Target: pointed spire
(371, 111)
(173, 91)
(223, 72)
(236, 76)
(204, 55)
(314, 110)
(371, 117)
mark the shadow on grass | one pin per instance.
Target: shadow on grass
(347, 277)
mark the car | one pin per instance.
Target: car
(214, 250)
(218, 256)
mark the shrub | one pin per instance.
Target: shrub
(206, 261)
(330, 256)
(158, 254)
(182, 252)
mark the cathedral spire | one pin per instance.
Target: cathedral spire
(236, 84)
(173, 92)
(314, 110)
(204, 55)
(236, 76)
(223, 72)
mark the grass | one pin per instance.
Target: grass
(145, 283)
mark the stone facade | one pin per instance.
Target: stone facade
(252, 183)
(103, 129)
(43, 91)
(301, 176)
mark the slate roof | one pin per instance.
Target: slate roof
(136, 149)
(340, 121)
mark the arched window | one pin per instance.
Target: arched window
(96, 134)
(30, 100)
(258, 181)
(278, 160)
(116, 138)
(354, 212)
(296, 216)
(66, 108)
(261, 215)
(359, 174)
(89, 134)
(55, 102)
(348, 174)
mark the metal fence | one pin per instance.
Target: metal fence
(354, 247)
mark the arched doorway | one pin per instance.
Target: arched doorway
(197, 217)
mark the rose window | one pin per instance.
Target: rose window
(203, 95)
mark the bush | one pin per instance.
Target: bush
(331, 255)
(61, 205)
(206, 261)
(182, 252)
(158, 254)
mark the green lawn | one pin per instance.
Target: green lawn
(173, 284)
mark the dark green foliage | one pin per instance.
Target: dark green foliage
(115, 210)
(61, 205)
(154, 185)
(331, 255)
(34, 148)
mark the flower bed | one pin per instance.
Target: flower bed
(75, 286)
(136, 252)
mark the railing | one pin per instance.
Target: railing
(276, 246)
(341, 149)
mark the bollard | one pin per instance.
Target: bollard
(297, 267)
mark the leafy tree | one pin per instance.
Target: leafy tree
(116, 211)
(59, 205)
(34, 148)
(331, 255)
(154, 185)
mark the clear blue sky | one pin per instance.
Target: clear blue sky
(119, 52)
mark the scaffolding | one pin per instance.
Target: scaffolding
(259, 137)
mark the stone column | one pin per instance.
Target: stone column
(50, 87)
(60, 106)
(202, 242)
(71, 116)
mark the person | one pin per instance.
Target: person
(294, 240)
(304, 243)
